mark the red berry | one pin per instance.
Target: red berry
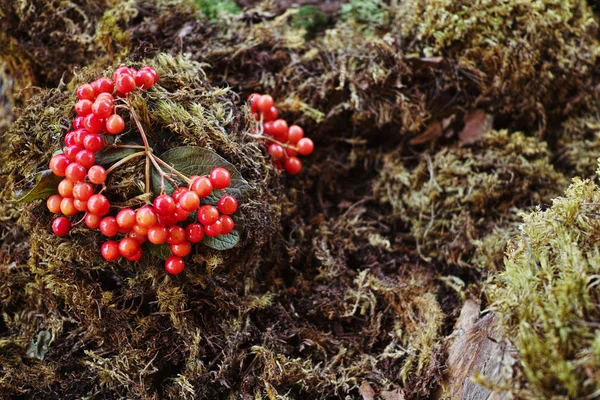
(97, 175)
(202, 186)
(291, 152)
(92, 220)
(71, 152)
(174, 265)
(85, 92)
(80, 205)
(79, 136)
(268, 128)
(76, 172)
(122, 70)
(67, 206)
(158, 234)
(109, 226)
(99, 205)
(227, 205)
(137, 256)
(181, 249)
(128, 247)
(264, 103)
(276, 151)
(144, 79)
(227, 224)
(220, 178)
(152, 72)
(280, 130)
(93, 123)
(59, 164)
(176, 235)
(293, 165)
(194, 233)
(271, 114)
(86, 158)
(305, 146)
(102, 108)
(125, 83)
(295, 134)
(214, 229)
(53, 203)
(102, 85)
(69, 139)
(115, 124)
(208, 215)
(141, 239)
(110, 250)
(189, 201)
(140, 230)
(253, 101)
(180, 214)
(177, 193)
(65, 188)
(78, 123)
(169, 220)
(93, 142)
(164, 205)
(83, 107)
(61, 226)
(82, 191)
(146, 217)
(126, 218)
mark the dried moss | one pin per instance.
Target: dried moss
(548, 297)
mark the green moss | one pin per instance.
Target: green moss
(213, 9)
(548, 296)
(311, 19)
(365, 12)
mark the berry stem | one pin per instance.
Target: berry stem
(147, 175)
(173, 170)
(125, 146)
(270, 139)
(125, 160)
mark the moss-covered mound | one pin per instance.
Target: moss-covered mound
(548, 297)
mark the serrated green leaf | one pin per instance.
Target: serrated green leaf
(46, 184)
(190, 161)
(222, 242)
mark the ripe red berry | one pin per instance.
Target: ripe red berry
(189, 201)
(83, 107)
(208, 215)
(86, 158)
(293, 165)
(115, 124)
(253, 101)
(180, 214)
(61, 226)
(152, 72)
(126, 218)
(80, 205)
(194, 233)
(280, 130)
(220, 178)
(93, 142)
(71, 152)
(98, 204)
(144, 79)
(158, 234)
(85, 92)
(295, 134)
(214, 229)
(140, 230)
(146, 217)
(176, 235)
(227, 224)
(164, 205)
(174, 265)
(141, 239)
(53, 203)
(65, 188)
(102, 108)
(276, 151)
(69, 138)
(181, 249)
(102, 85)
(93, 123)
(67, 206)
(291, 152)
(265, 102)
(122, 70)
(92, 220)
(125, 83)
(177, 193)
(110, 250)
(97, 175)
(227, 205)
(202, 186)
(271, 114)
(82, 191)
(128, 247)
(305, 146)
(268, 128)
(78, 123)
(59, 164)
(169, 220)
(137, 256)
(79, 136)
(76, 172)
(109, 226)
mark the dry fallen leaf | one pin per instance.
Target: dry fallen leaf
(433, 131)
(477, 123)
(366, 391)
(393, 395)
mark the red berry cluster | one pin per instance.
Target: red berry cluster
(156, 223)
(286, 141)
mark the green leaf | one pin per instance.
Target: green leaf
(46, 184)
(110, 156)
(222, 242)
(160, 251)
(190, 160)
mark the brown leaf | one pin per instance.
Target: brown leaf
(393, 395)
(477, 123)
(366, 391)
(433, 131)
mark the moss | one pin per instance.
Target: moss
(213, 9)
(365, 12)
(547, 297)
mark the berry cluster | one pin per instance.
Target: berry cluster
(286, 142)
(157, 223)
